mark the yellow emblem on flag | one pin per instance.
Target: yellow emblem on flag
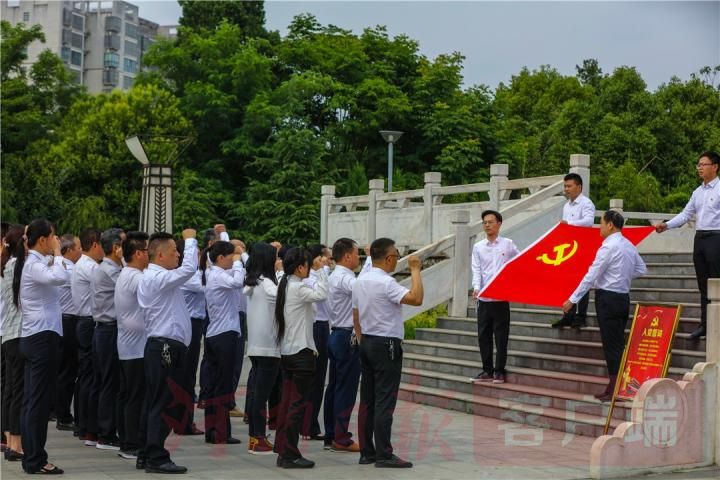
(560, 256)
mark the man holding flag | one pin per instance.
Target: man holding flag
(616, 263)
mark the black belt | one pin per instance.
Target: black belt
(70, 316)
(378, 337)
(706, 233)
(83, 317)
(344, 329)
(112, 323)
(170, 341)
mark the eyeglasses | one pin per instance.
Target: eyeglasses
(700, 165)
(489, 223)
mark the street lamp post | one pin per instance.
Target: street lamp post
(390, 136)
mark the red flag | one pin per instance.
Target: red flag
(548, 271)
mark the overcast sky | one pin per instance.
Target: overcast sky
(661, 39)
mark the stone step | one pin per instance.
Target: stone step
(666, 281)
(545, 330)
(670, 268)
(568, 401)
(667, 257)
(513, 413)
(435, 342)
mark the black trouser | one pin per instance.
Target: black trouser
(578, 312)
(3, 420)
(298, 371)
(342, 386)
(132, 399)
(220, 350)
(190, 378)
(86, 392)
(612, 314)
(311, 426)
(68, 371)
(41, 354)
(381, 360)
(493, 321)
(204, 373)
(239, 351)
(107, 376)
(261, 382)
(166, 399)
(706, 257)
(12, 396)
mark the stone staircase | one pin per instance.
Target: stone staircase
(552, 374)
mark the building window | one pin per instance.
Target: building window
(66, 37)
(112, 59)
(26, 16)
(127, 82)
(78, 22)
(132, 49)
(77, 40)
(76, 58)
(67, 17)
(130, 66)
(131, 30)
(65, 54)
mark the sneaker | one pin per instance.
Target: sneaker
(107, 445)
(236, 412)
(128, 454)
(260, 446)
(498, 378)
(327, 445)
(338, 447)
(482, 377)
(89, 439)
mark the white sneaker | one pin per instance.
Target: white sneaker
(90, 443)
(107, 446)
(130, 455)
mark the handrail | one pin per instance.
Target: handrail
(640, 215)
(401, 195)
(457, 189)
(427, 251)
(342, 201)
(520, 183)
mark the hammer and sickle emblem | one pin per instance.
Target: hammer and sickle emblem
(560, 255)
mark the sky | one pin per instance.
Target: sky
(661, 39)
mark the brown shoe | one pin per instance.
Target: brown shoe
(337, 447)
(236, 412)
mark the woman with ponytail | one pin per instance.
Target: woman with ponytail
(12, 326)
(38, 295)
(294, 318)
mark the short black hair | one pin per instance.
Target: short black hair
(134, 241)
(88, 237)
(712, 156)
(574, 177)
(614, 217)
(341, 247)
(110, 238)
(498, 215)
(156, 240)
(380, 248)
(316, 250)
(209, 236)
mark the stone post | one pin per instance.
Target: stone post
(327, 194)
(498, 173)
(376, 187)
(460, 221)
(616, 204)
(580, 164)
(432, 180)
(712, 346)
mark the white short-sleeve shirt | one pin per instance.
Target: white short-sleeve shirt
(376, 297)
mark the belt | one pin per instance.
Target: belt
(169, 341)
(84, 317)
(344, 329)
(112, 323)
(70, 316)
(378, 337)
(707, 233)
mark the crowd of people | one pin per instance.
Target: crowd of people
(107, 333)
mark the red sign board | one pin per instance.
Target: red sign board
(648, 350)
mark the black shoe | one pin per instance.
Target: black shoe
(579, 323)
(393, 462)
(12, 455)
(228, 441)
(167, 467)
(140, 463)
(297, 463)
(563, 322)
(699, 332)
(366, 460)
(68, 426)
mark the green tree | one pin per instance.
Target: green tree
(209, 14)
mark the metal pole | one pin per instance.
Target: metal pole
(390, 165)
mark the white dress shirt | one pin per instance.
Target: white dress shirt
(579, 212)
(130, 317)
(377, 296)
(222, 301)
(40, 294)
(367, 266)
(11, 317)
(299, 313)
(322, 312)
(67, 306)
(80, 285)
(616, 263)
(194, 294)
(341, 280)
(705, 203)
(159, 294)
(487, 259)
(262, 332)
(103, 288)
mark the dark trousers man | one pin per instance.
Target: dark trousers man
(132, 400)
(166, 400)
(220, 350)
(493, 321)
(86, 396)
(240, 351)
(706, 258)
(261, 382)
(193, 358)
(612, 314)
(68, 372)
(381, 360)
(204, 373)
(298, 372)
(342, 386)
(107, 376)
(12, 395)
(311, 426)
(41, 353)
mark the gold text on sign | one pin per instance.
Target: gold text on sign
(560, 255)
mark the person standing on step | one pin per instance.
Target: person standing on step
(493, 316)
(579, 210)
(616, 263)
(377, 301)
(705, 205)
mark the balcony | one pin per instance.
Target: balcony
(112, 42)
(113, 24)
(111, 77)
